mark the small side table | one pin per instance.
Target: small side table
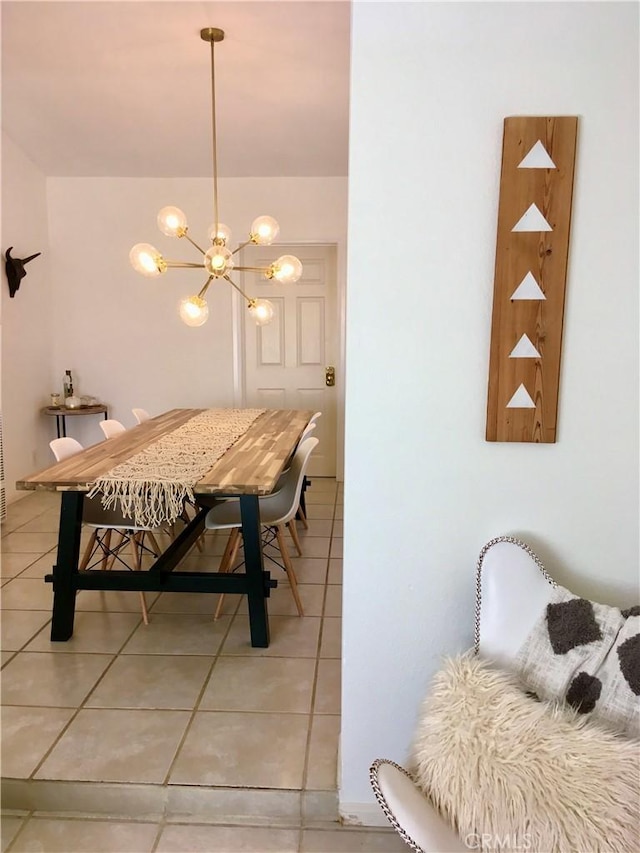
(61, 412)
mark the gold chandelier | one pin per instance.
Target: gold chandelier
(218, 261)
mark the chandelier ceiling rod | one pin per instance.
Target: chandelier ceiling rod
(212, 35)
(218, 261)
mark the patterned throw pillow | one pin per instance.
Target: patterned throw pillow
(587, 654)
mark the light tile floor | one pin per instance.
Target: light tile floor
(176, 736)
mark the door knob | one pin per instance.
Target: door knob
(330, 376)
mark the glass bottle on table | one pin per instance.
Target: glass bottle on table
(68, 385)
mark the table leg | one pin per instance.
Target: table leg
(258, 616)
(64, 591)
(305, 486)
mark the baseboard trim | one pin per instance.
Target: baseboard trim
(362, 814)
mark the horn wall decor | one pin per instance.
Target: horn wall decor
(534, 219)
(14, 267)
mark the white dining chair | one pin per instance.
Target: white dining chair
(111, 427)
(301, 513)
(276, 510)
(141, 415)
(103, 523)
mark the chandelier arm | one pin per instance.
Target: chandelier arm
(214, 146)
(264, 270)
(182, 265)
(193, 243)
(241, 246)
(240, 291)
(205, 287)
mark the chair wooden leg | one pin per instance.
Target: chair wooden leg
(289, 568)
(154, 543)
(300, 515)
(113, 547)
(234, 551)
(87, 551)
(218, 610)
(137, 566)
(106, 547)
(226, 555)
(145, 612)
(227, 561)
(169, 530)
(294, 535)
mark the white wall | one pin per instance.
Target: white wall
(120, 333)
(431, 85)
(26, 319)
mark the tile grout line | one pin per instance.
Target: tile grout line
(305, 774)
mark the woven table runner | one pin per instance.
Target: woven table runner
(152, 486)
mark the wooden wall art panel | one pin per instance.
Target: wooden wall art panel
(534, 219)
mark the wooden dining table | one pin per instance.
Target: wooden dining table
(249, 468)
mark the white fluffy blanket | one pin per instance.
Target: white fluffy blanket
(515, 774)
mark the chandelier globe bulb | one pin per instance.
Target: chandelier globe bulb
(261, 311)
(172, 222)
(193, 310)
(218, 261)
(147, 260)
(287, 269)
(264, 230)
(222, 236)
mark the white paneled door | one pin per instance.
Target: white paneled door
(287, 362)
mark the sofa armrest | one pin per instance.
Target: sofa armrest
(410, 812)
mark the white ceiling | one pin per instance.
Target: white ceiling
(124, 88)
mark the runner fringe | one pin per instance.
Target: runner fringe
(148, 503)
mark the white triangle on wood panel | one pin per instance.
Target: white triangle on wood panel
(528, 289)
(532, 220)
(537, 158)
(521, 399)
(524, 349)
